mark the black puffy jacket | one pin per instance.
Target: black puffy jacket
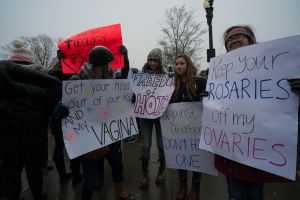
(27, 100)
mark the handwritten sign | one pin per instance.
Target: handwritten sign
(181, 127)
(100, 114)
(77, 48)
(153, 93)
(251, 115)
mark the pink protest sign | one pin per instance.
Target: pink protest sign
(77, 48)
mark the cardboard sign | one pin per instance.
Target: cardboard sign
(100, 114)
(251, 115)
(153, 93)
(181, 128)
(77, 48)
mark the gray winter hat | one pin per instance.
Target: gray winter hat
(155, 54)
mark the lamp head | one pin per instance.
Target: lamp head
(206, 4)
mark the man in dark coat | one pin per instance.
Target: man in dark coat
(27, 98)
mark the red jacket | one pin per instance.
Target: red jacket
(245, 173)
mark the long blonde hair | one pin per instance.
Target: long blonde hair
(188, 79)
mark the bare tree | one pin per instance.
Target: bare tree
(42, 46)
(182, 34)
(6, 51)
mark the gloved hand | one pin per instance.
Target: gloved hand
(61, 111)
(133, 98)
(171, 74)
(295, 85)
(203, 94)
(123, 50)
(60, 54)
(134, 70)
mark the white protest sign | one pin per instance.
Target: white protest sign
(251, 115)
(153, 93)
(100, 114)
(181, 127)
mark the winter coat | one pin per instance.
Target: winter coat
(242, 172)
(183, 94)
(26, 106)
(160, 70)
(18, 80)
(85, 73)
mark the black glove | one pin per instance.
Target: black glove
(60, 54)
(171, 74)
(123, 50)
(61, 111)
(133, 98)
(203, 94)
(295, 85)
(134, 70)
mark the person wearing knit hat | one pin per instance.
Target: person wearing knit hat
(154, 62)
(26, 99)
(238, 36)
(20, 53)
(100, 67)
(243, 182)
(153, 66)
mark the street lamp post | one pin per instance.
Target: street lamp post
(208, 6)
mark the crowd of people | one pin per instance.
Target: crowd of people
(31, 103)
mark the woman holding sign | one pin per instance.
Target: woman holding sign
(100, 67)
(188, 87)
(153, 66)
(244, 182)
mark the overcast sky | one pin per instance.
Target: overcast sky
(141, 20)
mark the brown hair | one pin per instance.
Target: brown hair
(239, 29)
(188, 79)
(104, 73)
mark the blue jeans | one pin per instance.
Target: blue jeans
(242, 190)
(146, 128)
(183, 176)
(91, 174)
(91, 169)
(114, 158)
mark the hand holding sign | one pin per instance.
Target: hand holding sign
(295, 85)
(251, 115)
(59, 54)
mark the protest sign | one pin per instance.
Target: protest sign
(77, 48)
(100, 114)
(251, 115)
(181, 127)
(153, 93)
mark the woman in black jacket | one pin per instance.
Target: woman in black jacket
(188, 87)
(100, 67)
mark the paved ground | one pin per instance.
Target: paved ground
(212, 188)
